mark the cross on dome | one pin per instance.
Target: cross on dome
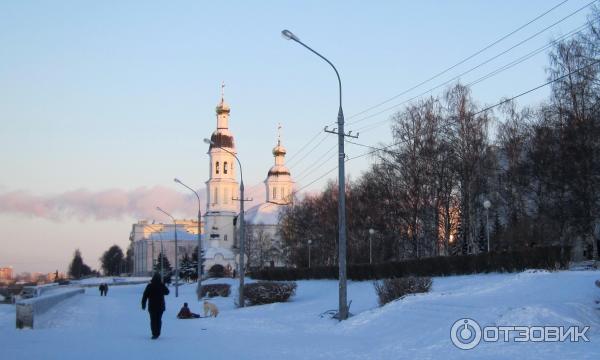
(279, 134)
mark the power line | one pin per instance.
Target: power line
(460, 62)
(438, 74)
(347, 160)
(311, 150)
(537, 87)
(497, 104)
(305, 145)
(473, 68)
(315, 165)
(527, 56)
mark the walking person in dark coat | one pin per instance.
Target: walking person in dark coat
(103, 289)
(155, 295)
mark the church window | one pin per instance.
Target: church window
(217, 168)
(226, 196)
(225, 167)
(216, 196)
(225, 237)
(274, 193)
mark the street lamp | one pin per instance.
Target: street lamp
(200, 258)
(487, 204)
(343, 303)
(162, 274)
(176, 258)
(242, 224)
(371, 232)
(309, 244)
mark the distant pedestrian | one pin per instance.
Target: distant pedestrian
(154, 294)
(103, 289)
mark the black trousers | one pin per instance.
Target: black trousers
(155, 322)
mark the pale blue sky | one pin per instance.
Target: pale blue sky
(119, 94)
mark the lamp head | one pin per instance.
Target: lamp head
(371, 231)
(208, 141)
(288, 35)
(487, 204)
(177, 180)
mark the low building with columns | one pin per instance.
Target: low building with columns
(149, 239)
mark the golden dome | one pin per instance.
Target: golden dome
(223, 107)
(279, 150)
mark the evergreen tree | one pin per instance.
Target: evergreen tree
(186, 268)
(78, 268)
(113, 261)
(166, 266)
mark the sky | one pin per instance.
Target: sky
(102, 104)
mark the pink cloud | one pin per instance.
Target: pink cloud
(111, 204)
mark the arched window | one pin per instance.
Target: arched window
(217, 167)
(274, 193)
(216, 195)
(226, 196)
(225, 167)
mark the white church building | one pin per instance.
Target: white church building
(219, 234)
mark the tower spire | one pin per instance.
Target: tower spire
(222, 91)
(279, 134)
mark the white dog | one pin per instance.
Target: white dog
(208, 306)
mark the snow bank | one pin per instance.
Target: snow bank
(28, 309)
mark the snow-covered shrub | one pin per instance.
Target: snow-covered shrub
(267, 292)
(212, 290)
(391, 289)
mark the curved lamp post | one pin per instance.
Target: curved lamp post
(176, 258)
(200, 258)
(242, 224)
(309, 244)
(371, 232)
(487, 204)
(162, 273)
(343, 304)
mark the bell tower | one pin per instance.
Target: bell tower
(222, 186)
(279, 182)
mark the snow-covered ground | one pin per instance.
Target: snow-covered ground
(417, 327)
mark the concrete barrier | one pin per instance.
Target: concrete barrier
(28, 309)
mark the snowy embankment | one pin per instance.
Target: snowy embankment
(417, 327)
(110, 281)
